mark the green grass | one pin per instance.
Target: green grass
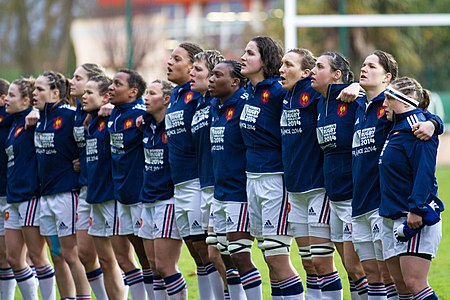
(439, 276)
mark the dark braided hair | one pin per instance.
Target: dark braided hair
(103, 82)
(412, 88)
(57, 81)
(339, 62)
(192, 49)
(235, 71)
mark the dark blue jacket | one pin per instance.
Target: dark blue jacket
(56, 149)
(126, 151)
(334, 133)
(228, 148)
(302, 156)
(100, 187)
(260, 126)
(182, 156)
(201, 123)
(407, 166)
(23, 183)
(5, 123)
(79, 135)
(158, 183)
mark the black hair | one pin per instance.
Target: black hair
(271, 54)
(388, 62)
(235, 71)
(135, 80)
(4, 86)
(103, 83)
(339, 62)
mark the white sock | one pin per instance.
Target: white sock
(215, 281)
(235, 288)
(148, 283)
(126, 289)
(204, 288)
(97, 284)
(27, 283)
(252, 283)
(47, 282)
(135, 281)
(7, 284)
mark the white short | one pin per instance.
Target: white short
(21, 214)
(129, 218)
(367, 227)
(230, 217)
(311, 208)
(341, 221)
(104, 219)
(158, 220)
(58, 213)
(188, 216)
(83, 210)
(2, 215)
(207, 199)
(267, 205)
(425, 242)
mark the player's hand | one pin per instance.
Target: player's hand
(414, 221)
(31, 119)
(350, 93)
(139, 121)
(105, 110)
(76, 165)
(423, 130)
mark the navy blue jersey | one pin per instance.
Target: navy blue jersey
(182, 156)
(5, 123)
(56, 149)
(407, 166)
(302, 156)
(228, 148)
(79, 135)
(126, 151)
(158, 183)
(335, 124)
(23, 183)
(100, 187)
(201, 123)
(260, 126)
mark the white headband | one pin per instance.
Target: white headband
(401, 97)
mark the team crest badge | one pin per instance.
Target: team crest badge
(57, 123)
(1, 119)
(127, 123)
(90, 221)
(342, 109)
(164, 137)
(6, 215)
(140, 222)
(265, 96)
(289, 207)
(229, 113)
(304, 99)
(188, 97)
(101, 125)
(381, 111)
(18, 131)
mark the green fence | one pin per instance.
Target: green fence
(440, 105)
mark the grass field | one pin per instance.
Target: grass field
(439, 275)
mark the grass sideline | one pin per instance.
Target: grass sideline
(439, 276)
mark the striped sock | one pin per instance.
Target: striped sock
(83, 297)
(312, 287)
(330, 285)
(377, 291)
(204, 289)
(353, 290)
(27, 283)
(252, 284)
(135, 281)
(276, 290)
(234, 284)
(425, 294)
(148, 282)
(215, 281)
(226, 295)
(405, 297)
(362, 286)
(391, 291)
(175, 284)
(292, 287)
(7, 283)
(47, 283)
(97, 284)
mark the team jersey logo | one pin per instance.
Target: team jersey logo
(18, 131)
(304, 99)
(101, 125)
(265, 96)
(127, 123)
(188, 97)
(6, 215)
(90, 221)
(57, 123)
(289, 207)
(229, 113)
(1, 119)
(342, 109)
(164, 137)
(381, 111)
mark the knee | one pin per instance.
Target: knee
(14, 261)
(87, 256)
(414, 284)
(308, 266)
